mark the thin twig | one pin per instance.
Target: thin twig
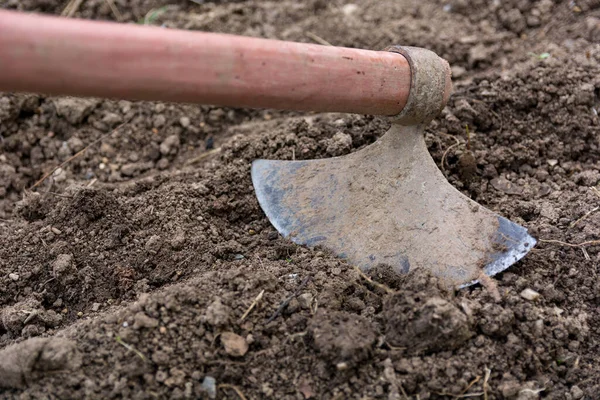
(474, 381)
(447, 151)
(76, 155)
(254, 303)
(285, 303)
(318, 39)
(130, 347)
(71, 8)
(372, 282)
(460, 396)
(234, 388)
(587, 214)
(486, 378)
(153, 14)
(585, 254)
(60, 195)
(203, 156)
(588, 243)
(394, 348)
(115, 10)
(403, 392)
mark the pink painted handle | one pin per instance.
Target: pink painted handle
(86, 58)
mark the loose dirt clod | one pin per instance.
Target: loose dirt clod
(141, 320)
(425, 324)
(341, 337)
(235, 345)
(218, 314)
(30, 360)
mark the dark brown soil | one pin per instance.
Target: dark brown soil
(139, 260)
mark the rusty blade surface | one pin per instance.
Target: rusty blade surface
(388, 204)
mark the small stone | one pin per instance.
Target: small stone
(153, 244)
(576, 393)
(209, 384)
(341, 366)
(170, 145)
(74, 110)
(75, 144)
(79, 314)
(250, 339)
(235, 345)
(217, 313)
(95, 306)
(159, 121)
(178, 240)
(63, 265)
(14, 277)
(60, 175)
(530, 294)
(349, 9)
(292, 306)
(141, 320)
(112, 119)
(162, 164)
(305, 300)
(184, 122)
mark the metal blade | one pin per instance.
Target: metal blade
(388, 204)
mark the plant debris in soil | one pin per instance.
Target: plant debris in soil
(145, 268)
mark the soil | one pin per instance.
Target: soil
(145, 268)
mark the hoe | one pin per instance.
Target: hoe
(385, 204)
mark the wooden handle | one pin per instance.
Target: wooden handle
(61, 56)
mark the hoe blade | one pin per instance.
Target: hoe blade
(388, 204)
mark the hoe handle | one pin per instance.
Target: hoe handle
(61, 56)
